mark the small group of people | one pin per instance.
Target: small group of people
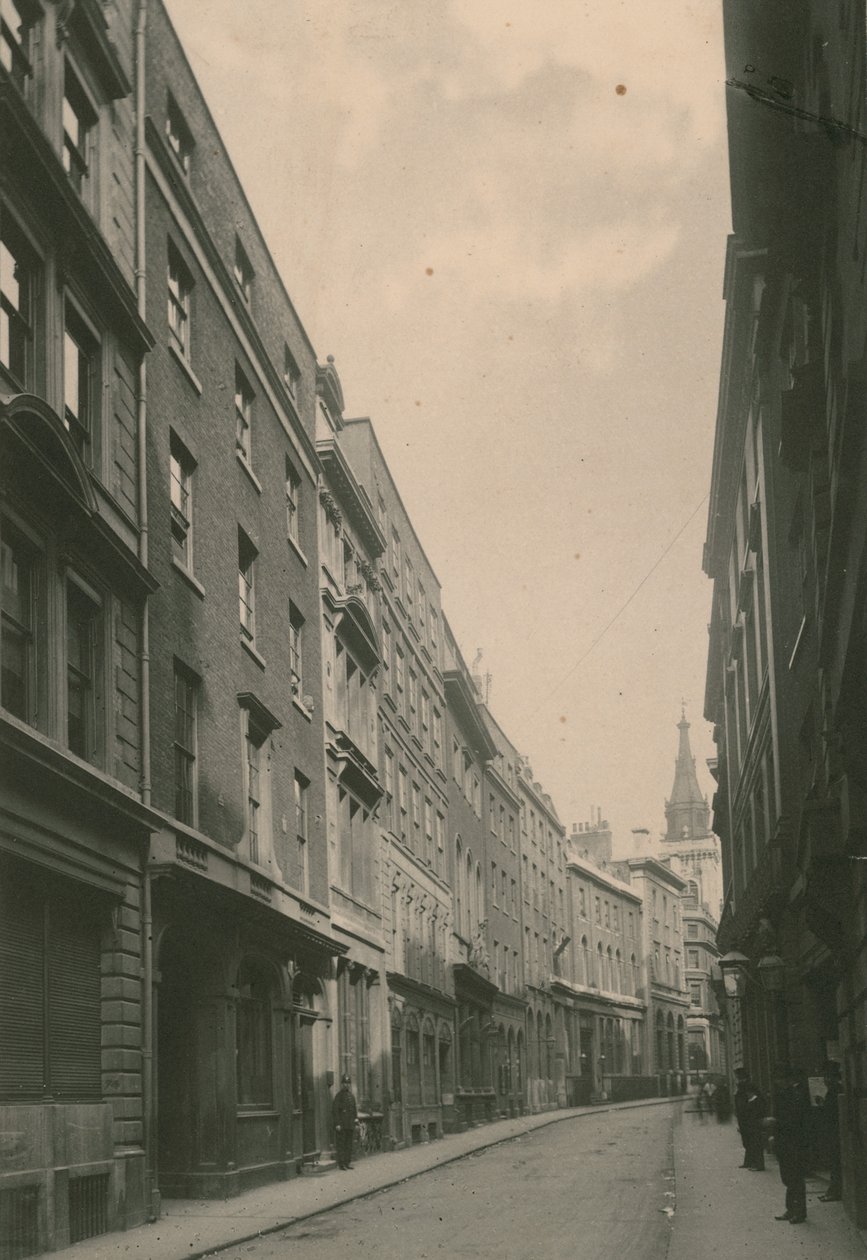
(790, 1126)
(714, 1098)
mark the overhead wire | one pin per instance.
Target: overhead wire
(622, 609)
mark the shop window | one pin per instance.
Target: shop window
(254, 1048)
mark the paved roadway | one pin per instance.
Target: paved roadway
(593, 1189)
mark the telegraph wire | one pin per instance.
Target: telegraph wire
(622, 609)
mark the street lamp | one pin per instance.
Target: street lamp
(734, 967)
(736, 973)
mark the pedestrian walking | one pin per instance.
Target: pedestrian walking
(708, 1091)
(723, 1103)
(791, 1126)
(344, 1113)
(830, 1117)
(750, 1113)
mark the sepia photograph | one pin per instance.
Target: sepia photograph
(433, 629)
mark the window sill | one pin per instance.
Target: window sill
(184, 364)
(249, 471)
(251, 651)
(296, 548)
(307, 714)
(188, 578)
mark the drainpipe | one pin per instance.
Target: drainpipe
(147, 912)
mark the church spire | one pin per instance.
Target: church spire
(686, 813)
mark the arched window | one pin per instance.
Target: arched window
(468, 899)
(634, 965)
(618, 973)
(413, 1062)
(428, 1062)
(599, 978)
(479, 899)
(610, 960)
(584, 962)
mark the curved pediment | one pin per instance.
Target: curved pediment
(355, 625)
(39, 430)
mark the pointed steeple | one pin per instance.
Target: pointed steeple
(686, 813)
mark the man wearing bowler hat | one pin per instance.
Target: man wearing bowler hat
(344, 1113)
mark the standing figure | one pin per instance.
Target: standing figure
(723, 1103)
(830, 1116)
(792, 1139)
(750, 1112)
(344, 1113)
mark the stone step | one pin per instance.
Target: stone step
(318, 1168)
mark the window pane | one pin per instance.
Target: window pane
(80, 633)
(17, 627)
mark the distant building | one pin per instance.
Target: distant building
(415, 861)
(502, 812)
(475, 879)
(607, 983)
(351, 544)
(688, 843)
(661, 890)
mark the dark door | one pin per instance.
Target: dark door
(306, 1085)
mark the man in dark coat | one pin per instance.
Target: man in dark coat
(792, 1139)
(344, 1113)
(750, 1112)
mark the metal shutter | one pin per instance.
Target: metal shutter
(22, 946)
(74, 998)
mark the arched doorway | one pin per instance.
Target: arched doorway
(660, 1042)
(549, 1057)
(671, 1061)
(502, 1072)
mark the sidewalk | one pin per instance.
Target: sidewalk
(192, 1228)
(727, 1211)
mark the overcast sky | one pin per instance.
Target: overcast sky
(508, 226)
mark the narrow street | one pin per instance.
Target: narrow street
(597, 1187)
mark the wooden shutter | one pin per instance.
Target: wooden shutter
(22, 1030)
(74, 998)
